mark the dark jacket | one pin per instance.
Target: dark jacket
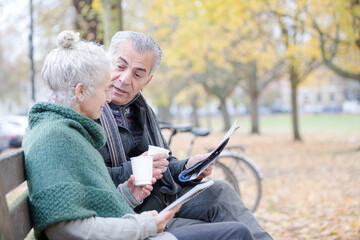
(122, 173)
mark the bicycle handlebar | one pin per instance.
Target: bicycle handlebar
(185, 127)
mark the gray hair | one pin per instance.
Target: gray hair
(141, 43)
(73, 62)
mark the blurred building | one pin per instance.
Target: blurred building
(323, 91)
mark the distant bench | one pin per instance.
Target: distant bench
(15, 218)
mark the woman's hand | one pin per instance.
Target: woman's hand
(163, 219)
(139, 192)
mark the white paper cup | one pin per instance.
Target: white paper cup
(154, 150)
(142, 167)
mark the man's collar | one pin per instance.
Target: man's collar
(113, 105)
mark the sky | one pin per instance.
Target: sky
(14, 27)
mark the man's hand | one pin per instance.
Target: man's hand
(164, 218)
(139, 192)
(160, 164)
(197, 158)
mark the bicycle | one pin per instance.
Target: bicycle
(246, 181)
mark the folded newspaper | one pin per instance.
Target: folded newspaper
(189, 195)
(194, 171)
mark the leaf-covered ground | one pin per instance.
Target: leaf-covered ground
(311, 189)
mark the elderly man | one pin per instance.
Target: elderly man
(131, 127)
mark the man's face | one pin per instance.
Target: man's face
(129, 73)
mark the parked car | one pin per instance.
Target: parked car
(12, 130)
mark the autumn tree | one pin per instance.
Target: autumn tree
(200, 36)
(301, 48)
(338, 26)
(9, 86)
(49, 20)
(254, 54)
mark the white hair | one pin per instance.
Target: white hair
(73, 62)
(141, 43)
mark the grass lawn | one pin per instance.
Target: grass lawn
(308, 123)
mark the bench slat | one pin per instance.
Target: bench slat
(15, 218)
(6, 231)
(12, 169)
(21, 219)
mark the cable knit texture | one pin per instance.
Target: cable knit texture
(67, 177)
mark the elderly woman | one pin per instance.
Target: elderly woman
(71, 193)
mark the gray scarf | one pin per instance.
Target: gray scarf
(151, 128)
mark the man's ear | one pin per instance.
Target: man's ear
(80, 92)
(148, 81)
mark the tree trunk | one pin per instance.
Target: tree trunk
(119, 16)
(254, 115)
(254, 95)
(106, 22)
(195, 117)
(112, 19)
(164, 113)
(208, 115)
(294, 83)
(225, 114)
(87, 21)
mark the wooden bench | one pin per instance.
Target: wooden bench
(15, 218)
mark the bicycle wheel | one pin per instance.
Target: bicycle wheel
(247, 174)
(222, 172)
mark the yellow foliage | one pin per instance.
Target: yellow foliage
(97, 5)
(355, 224)
(356, 10)
(163, 32)
(185, 95)
(348, 200)
(224, 34)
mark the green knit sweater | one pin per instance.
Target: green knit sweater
(67, 177)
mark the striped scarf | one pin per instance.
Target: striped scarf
(151, 128)
(131, 122)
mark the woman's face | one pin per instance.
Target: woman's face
(92, 106)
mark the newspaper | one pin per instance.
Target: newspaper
(194, 171)
(189, 195)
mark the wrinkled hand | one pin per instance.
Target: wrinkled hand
(164, 218)
(207, 172)
(160, 164)
(139, 192)
(197, 158)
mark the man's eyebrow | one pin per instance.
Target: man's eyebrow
(123, 59)
(139, 68)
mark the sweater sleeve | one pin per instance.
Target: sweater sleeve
(131, 226)
(128, 196)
